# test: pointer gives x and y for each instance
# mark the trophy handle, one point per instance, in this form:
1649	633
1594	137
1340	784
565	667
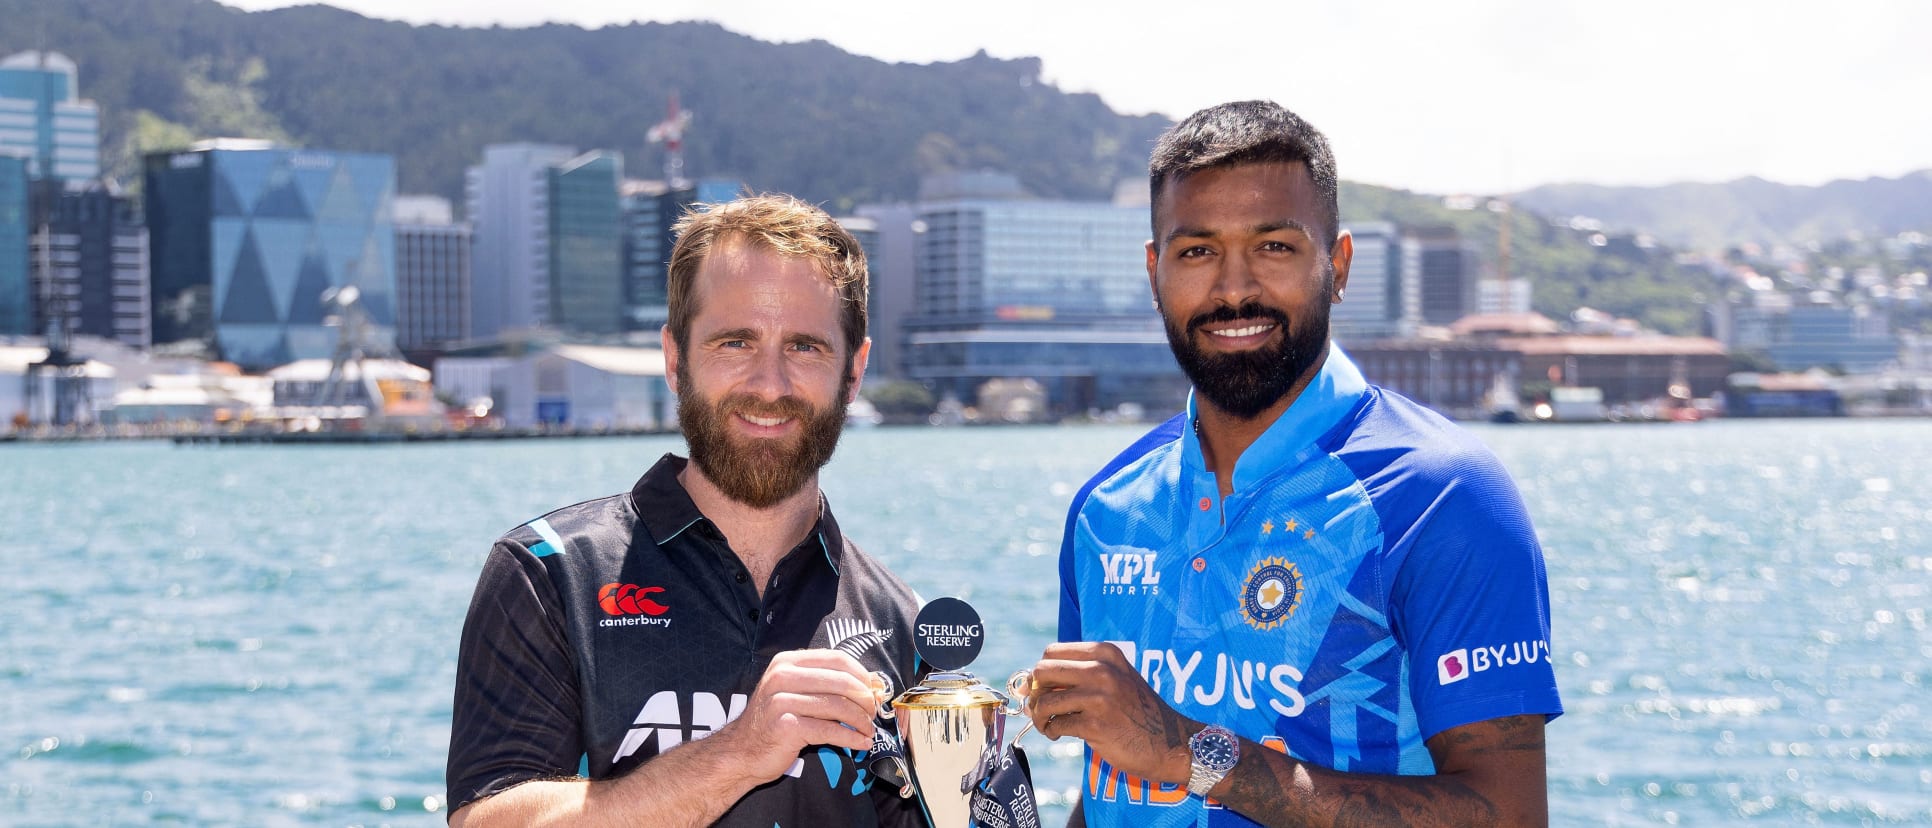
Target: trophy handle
1019	686
882	694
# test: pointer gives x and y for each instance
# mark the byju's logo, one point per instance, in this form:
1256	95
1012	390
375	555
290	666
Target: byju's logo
1129	573
629	607
1460	664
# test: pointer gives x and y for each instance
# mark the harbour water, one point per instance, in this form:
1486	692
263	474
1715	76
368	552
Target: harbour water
266	635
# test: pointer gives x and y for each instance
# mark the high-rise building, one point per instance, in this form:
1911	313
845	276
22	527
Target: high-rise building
889	256
586	228
247	237
16	288
509	212
1054	291
1376	304
1446	271
651	210
432	275
89	260
43	117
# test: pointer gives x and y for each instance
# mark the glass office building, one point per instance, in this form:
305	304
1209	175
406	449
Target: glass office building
43	117
586	244
246	238
89	262
16	290
651	210
1054	291
432	275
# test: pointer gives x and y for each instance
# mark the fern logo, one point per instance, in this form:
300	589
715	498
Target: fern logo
854	637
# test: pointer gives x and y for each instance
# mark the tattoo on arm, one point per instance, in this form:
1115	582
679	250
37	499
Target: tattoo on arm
1488	774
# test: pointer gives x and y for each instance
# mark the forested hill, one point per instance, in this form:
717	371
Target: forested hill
806	118
1748	210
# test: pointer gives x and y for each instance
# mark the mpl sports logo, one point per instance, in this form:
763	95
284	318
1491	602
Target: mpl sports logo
1129	573
1461	663
630	606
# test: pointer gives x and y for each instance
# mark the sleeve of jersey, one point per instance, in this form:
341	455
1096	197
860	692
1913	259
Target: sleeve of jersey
1069	589
1166	432
516	715
1471	601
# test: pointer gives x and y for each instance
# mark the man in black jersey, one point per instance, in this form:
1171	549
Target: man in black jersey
697	650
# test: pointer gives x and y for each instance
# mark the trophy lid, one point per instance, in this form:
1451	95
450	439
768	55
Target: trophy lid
950	689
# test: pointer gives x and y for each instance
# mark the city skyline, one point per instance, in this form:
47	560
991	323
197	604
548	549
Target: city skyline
1496	96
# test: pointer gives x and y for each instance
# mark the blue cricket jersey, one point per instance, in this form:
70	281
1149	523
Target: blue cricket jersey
1372	581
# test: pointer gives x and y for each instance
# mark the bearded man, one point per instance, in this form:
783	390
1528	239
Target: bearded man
1306	600
698	650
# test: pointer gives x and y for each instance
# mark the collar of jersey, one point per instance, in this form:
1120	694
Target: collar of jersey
666	510
1335	391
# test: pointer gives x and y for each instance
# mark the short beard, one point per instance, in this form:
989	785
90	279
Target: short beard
1247	383
760	472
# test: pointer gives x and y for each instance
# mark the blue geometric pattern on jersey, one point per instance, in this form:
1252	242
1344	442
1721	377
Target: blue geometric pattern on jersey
1279	611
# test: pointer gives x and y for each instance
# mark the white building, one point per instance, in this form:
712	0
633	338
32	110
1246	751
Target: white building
96	381
574	386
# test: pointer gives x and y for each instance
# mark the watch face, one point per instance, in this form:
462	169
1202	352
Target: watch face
1215	749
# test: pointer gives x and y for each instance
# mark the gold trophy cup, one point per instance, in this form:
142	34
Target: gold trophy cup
950	722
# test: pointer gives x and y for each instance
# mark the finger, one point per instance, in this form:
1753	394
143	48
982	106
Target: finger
1061	724
1050	674
805	679
1084	651
810	731
825	659
834	709
833	661
1058	704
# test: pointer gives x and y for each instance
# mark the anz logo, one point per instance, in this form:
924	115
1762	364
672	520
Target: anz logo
663	718
662	721
1129	573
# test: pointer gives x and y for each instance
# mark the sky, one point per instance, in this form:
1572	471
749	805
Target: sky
1478	96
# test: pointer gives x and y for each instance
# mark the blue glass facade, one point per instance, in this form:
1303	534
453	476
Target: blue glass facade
16	292
586	245
649	213
1052	291
42	115
245	241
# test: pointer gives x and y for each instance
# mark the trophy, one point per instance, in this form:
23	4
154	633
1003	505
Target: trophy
953	729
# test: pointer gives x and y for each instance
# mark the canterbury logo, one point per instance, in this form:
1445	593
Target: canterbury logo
853	637
628	599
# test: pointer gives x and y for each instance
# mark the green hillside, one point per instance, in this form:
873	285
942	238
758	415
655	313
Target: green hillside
805	118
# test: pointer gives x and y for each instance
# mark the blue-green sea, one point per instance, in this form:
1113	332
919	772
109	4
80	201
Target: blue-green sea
267	635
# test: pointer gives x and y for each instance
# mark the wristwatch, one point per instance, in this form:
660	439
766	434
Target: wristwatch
1215	751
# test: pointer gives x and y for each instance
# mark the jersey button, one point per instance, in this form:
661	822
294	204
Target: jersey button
742	577
754	616
1206	504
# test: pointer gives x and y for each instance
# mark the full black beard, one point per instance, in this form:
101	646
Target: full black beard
1248	383
761	472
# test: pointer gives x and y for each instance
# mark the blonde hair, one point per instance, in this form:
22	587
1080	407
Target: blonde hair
777	223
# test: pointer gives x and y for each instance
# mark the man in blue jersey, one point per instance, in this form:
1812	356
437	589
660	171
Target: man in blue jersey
1306	600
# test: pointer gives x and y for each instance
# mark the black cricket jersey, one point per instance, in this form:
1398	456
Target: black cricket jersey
605	633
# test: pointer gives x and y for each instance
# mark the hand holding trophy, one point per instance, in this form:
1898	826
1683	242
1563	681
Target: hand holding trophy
954	730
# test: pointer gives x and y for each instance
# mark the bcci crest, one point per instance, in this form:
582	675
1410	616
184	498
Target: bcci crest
1271	593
